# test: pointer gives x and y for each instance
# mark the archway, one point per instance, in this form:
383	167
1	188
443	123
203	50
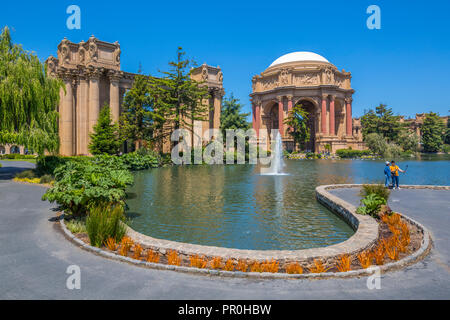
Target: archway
309	107
15	150
2	150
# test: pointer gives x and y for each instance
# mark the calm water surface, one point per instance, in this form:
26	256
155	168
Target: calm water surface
236	207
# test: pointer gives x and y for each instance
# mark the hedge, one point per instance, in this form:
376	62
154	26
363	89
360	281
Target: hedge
349	153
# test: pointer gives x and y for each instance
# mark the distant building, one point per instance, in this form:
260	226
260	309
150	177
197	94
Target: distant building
415	124
323	91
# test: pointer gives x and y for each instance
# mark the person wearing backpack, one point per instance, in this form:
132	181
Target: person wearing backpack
387	174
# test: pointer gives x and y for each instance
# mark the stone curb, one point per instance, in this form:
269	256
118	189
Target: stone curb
323	194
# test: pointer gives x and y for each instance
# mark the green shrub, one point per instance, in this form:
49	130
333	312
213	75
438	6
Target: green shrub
48	164
27	174
46	178
111	162
349	153
446	148
17	156
80	185
105	222
76	225
371	205
138	161
378	189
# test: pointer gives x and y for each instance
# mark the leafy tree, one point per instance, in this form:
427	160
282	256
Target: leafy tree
297	120
178	97
447	132
369	123
140	119
409	141
231	116
105	138
381	121
28	99
432	133
376	143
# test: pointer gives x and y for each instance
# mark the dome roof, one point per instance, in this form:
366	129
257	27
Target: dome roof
298	57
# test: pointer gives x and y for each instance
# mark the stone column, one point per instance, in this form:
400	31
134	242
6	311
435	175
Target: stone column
254	115
83	117
217	107
332	117
280	115
289	97
348	113
114	98
258	117
323	114
94	99
66	122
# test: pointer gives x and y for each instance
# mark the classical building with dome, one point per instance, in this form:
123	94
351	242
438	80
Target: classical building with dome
309	80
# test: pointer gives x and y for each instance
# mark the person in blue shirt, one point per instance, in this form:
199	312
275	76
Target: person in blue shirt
387	174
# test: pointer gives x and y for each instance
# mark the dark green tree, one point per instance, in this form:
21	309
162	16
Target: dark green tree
432	133
105	138
140	120
28	99
381	121
178	97
297	121
447	132
231	116
369	123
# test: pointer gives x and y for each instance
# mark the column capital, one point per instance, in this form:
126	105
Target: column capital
290	97
114	76
332	98
280	98
325	96
94	74
348	100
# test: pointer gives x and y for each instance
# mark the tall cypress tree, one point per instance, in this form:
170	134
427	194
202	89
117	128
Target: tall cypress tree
105	138
28	99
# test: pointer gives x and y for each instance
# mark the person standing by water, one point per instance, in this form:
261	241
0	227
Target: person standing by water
387	174
394	173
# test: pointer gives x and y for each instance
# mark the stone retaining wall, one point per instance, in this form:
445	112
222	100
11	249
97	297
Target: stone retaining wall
365	237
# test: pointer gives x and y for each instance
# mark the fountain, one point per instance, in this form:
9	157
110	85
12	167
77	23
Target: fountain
277	162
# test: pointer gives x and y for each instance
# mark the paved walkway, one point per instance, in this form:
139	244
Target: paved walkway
34	256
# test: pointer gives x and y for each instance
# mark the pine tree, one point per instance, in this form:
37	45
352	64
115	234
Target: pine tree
105	138
28	99
177	96
231	116
432	133
140	119
297	120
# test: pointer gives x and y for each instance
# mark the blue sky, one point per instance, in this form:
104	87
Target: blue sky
406	64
